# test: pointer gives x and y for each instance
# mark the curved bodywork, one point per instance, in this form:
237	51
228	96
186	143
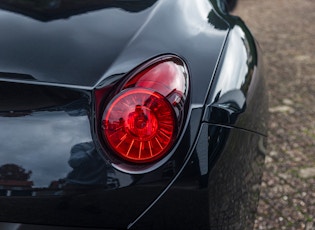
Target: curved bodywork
58	57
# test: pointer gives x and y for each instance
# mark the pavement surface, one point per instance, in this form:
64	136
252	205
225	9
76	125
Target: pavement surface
285	30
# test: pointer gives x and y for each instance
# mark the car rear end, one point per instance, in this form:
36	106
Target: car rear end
129	126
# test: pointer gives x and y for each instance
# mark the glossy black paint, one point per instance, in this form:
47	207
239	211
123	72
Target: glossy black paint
86	53
49	10
70	180
74	50
219	186
56	59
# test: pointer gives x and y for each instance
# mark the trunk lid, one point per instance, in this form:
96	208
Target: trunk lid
67	42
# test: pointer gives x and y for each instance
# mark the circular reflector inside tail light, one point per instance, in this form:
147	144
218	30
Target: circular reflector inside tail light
141	122
139	125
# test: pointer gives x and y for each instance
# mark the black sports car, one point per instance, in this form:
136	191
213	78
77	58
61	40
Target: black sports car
129	114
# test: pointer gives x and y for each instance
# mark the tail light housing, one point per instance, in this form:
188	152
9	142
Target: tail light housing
141	120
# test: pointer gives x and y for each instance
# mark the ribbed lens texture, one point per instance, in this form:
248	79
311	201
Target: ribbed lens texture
139	125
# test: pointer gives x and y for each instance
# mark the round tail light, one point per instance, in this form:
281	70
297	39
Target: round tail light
139	125
142	120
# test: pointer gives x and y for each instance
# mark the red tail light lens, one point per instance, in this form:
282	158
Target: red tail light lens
141	123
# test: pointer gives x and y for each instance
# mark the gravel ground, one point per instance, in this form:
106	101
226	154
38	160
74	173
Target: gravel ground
286	32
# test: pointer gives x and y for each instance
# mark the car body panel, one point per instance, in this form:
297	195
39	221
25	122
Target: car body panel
50	119
72	50
218	187
87	54
70	179
238	82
